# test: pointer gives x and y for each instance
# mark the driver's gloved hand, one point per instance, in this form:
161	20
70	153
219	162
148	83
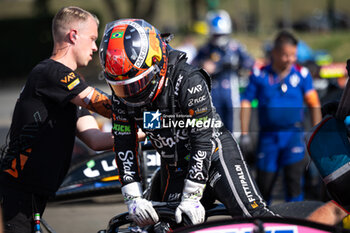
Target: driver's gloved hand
190	204
141	210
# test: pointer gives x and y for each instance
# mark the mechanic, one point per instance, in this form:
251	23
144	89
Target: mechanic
155	89
44	124
281	89
225	59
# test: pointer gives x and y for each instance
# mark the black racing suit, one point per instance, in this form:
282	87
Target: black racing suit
188	150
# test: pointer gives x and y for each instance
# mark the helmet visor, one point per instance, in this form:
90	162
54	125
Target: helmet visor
132	86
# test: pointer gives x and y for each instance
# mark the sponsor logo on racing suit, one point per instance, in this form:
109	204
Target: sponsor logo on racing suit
196	89
174	196
196	171
160	141
245	186
177	85
121	129
127	158
191	102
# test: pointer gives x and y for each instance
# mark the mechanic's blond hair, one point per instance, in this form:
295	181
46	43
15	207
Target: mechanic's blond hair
66	18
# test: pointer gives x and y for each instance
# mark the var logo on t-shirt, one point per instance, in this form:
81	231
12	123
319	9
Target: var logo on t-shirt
68	77
151	120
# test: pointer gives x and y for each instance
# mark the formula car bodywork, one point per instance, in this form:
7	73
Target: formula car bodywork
98	174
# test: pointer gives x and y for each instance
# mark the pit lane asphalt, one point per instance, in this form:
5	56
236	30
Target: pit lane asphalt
69	217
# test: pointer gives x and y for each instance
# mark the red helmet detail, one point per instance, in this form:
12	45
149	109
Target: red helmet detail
134	59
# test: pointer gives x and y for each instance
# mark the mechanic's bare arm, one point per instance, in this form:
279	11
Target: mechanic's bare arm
94	100
329	214
89	132
313	102
245	116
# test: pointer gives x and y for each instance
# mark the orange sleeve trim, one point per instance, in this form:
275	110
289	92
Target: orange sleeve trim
23	160
13	171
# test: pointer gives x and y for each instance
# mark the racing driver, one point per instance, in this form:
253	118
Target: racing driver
156	90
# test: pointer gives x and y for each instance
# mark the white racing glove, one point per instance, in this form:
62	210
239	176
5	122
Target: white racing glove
141	210
190	203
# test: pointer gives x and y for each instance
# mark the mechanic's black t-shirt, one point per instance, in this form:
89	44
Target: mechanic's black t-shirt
43	129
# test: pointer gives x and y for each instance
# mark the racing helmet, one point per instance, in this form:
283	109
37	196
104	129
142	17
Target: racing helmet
134	60
219	22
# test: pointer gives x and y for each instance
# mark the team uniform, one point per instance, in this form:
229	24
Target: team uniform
229	59
41	136
281	114
206	155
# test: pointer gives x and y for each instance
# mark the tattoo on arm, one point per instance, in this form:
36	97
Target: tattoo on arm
99	102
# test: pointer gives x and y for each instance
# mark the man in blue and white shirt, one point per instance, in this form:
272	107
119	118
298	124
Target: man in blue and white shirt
281	89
